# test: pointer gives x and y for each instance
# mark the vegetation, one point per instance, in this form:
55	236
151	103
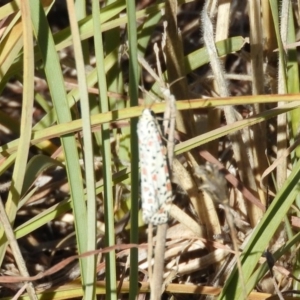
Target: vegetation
71	93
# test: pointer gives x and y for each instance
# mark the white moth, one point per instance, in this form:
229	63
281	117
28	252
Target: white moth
156	189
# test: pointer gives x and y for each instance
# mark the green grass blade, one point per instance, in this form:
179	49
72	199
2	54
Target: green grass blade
7	163
25	130
262	235
62	207
133	93
96	120
293	85
89	267
57	90
219	132
264	268
37	165
200	57
111	283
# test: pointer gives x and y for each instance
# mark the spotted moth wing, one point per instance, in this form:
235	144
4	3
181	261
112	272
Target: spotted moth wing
156	190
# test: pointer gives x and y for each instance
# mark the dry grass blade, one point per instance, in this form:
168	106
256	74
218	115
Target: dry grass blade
16	251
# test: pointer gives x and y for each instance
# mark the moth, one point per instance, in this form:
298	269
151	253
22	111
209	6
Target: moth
156	189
